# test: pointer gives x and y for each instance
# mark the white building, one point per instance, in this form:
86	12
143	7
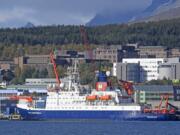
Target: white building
149	67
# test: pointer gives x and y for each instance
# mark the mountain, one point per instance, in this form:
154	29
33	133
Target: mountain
168	10
113	18
165	9
166	15
155	7
29	25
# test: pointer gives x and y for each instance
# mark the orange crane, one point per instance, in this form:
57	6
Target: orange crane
167	109
85	42
166	102
128	87
55	68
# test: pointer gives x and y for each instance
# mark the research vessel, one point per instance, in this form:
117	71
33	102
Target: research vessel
70	100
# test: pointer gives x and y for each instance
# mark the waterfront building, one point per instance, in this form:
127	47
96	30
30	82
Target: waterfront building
149	67
127	71
151	94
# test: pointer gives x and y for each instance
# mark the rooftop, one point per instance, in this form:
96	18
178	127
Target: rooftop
154	87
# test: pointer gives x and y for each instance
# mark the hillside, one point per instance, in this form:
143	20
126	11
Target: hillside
41	40
164	33
168	11
166	15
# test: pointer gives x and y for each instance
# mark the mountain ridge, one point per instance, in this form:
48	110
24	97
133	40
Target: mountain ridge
157	7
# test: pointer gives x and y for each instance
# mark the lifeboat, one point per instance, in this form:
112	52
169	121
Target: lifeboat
105	97
27	98
91	97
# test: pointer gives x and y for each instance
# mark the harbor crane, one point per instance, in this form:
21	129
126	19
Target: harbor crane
85	42
128	87
55	68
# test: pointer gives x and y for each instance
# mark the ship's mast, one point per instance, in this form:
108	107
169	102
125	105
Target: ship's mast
73	73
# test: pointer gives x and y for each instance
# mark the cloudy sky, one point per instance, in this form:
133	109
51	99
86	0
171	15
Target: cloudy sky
16	13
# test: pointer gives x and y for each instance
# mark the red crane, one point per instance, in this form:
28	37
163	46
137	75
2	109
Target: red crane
128	87
166	102
167	109
85	42
55	68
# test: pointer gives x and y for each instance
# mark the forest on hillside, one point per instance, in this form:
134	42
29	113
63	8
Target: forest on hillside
42	40
164	33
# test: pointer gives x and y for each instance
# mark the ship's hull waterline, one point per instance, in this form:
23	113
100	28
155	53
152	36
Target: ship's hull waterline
93	115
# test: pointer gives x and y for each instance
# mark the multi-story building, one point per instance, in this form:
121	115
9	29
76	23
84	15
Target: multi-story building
174	52
64	57
156	51
39	61
127	71
153	52
107	53
115	53
149	67
153	68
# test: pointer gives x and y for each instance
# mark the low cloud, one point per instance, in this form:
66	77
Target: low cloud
45	12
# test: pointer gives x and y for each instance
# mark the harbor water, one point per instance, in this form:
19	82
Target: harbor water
88	128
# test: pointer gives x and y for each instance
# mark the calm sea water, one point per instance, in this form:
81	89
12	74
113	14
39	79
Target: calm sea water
88	128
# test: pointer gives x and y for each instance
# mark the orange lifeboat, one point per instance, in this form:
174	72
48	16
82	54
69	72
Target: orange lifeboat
91	97
27	98
105	97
